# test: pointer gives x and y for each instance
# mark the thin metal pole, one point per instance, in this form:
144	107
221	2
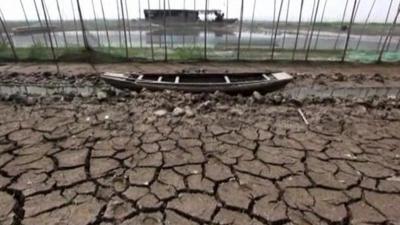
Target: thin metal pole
119	25
165	34
276	29
140	28
151	32
365	24
320	25
10	41
75	23
205	29
252	23
389	34
386	21
353	15
172	30
40	22
125	35
227	16
3	41
105	24
273	23
48	31
128	23
27	22
96	24
85	40
62	24
240	30
341	24
298	30
51	24
312	29
309	28
286	24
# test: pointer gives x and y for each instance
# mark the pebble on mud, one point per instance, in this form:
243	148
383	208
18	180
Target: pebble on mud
160	112
178	112
257	96
101	95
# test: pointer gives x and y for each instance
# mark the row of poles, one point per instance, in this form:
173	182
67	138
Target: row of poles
50	39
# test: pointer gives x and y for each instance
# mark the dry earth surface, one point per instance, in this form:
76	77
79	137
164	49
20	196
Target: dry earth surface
171	158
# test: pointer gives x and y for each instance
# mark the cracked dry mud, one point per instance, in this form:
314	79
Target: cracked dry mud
119	163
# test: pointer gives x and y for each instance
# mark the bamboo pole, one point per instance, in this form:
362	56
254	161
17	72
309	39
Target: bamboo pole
10	41
386	21
252	23
273	23
62	24
51	24
365	24
151	33
309	28
341	24
298	30
240	30
319	29
96	24
140	28
205	29
123	24
119	24
27	22
75	23
48	31
85	40
276	29
227	16
286	24
312	29
40	22
389	35
165	34
128	23
105	24
353	15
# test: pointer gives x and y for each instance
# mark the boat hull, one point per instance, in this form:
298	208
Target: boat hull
261	86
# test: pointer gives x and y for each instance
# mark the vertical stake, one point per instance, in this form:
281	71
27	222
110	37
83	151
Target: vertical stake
240	30
389	35
85	40
27	21
123	24
151	33
10	41
165	34
96	24
276	29
298	30
312	29
341	24
252	23
205	29
48	30
105	24
353	15
40	22
75	23
128	24
62	24
286	25
320	25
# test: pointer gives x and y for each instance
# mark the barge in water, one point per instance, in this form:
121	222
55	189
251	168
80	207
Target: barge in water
179	16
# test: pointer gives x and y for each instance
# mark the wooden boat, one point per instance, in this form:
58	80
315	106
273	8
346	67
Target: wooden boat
203	82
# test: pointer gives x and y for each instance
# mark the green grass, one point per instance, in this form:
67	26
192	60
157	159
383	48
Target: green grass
39	53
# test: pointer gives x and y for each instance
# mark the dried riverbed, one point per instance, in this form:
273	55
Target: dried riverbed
171	158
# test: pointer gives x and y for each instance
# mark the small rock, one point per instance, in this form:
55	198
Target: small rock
178	112
160	113
236	111
278	99
101	95
257	96
189	112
